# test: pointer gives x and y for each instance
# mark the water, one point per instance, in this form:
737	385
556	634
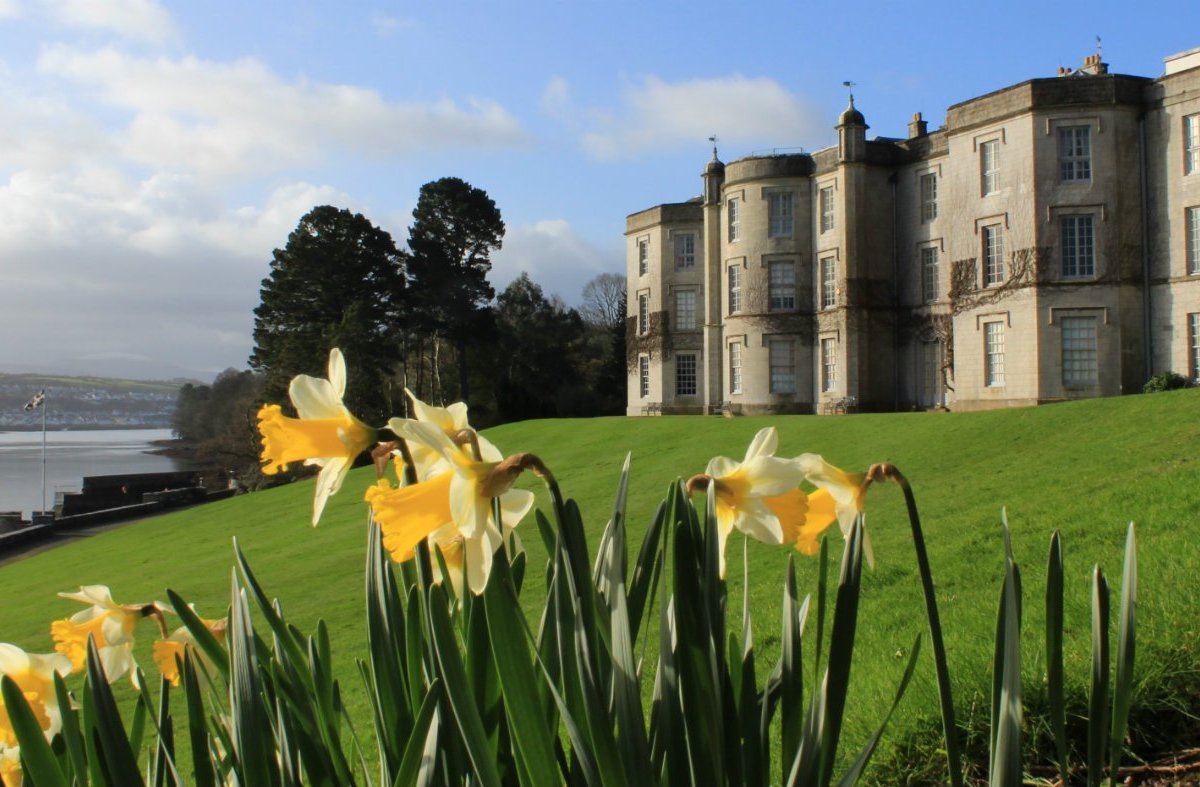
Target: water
69	457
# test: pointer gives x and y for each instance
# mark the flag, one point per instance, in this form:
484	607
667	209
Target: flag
36	401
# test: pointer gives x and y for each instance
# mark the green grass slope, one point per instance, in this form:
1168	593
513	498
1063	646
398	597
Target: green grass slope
1085	468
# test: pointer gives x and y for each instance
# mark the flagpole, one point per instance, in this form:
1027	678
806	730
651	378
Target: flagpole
45	406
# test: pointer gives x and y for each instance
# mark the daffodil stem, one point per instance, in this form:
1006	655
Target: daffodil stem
953	750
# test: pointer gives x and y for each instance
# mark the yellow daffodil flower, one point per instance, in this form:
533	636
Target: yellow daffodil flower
846	493
456	502
10	766
111	624
756	494
34	675
325	434
453	422
169	652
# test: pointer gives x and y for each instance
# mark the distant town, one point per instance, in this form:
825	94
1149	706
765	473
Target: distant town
86	403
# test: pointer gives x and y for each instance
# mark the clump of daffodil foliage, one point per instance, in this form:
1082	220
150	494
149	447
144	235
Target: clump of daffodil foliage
462	687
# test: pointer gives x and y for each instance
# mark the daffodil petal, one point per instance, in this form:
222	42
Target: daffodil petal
315	399
479	552
763	444
337	373
769	476
514	505
720	466
756	520
333	472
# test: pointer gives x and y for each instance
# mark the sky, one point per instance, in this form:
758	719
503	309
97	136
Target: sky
153	153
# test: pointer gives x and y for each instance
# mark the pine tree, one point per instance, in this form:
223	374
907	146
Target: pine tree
339	282
455	228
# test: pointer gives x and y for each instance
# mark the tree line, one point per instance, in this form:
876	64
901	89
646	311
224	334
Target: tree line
425	318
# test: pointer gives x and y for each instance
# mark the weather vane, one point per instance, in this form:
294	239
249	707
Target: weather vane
851	86
713	140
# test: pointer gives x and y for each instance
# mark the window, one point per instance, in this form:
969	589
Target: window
929	273
643	256
1074	153
1192	225
993	354
735	289
685	251
735	221
1191	144
783	366
1194	345
644	375
781	286
779	208
1079	350
928	197
989	167
828	282
1078	257
643	313
685	310
685	374
993	256
735	367
828	365
826	200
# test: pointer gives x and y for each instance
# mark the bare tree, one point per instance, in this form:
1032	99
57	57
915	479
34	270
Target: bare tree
604	300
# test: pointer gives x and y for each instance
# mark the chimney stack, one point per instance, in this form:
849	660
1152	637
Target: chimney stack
918	127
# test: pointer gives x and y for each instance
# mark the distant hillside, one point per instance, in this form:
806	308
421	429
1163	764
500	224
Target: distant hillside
87	402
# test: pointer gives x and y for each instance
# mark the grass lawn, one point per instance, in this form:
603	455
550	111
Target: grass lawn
1085	468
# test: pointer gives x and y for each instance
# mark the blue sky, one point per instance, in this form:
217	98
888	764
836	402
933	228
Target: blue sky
152	154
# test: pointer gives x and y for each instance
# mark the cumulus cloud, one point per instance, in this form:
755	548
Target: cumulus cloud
555	257
156	269
141	20
744	111
223	119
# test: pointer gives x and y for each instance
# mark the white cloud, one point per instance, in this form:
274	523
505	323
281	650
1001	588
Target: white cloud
9	9
230	119
555	257
141	20
743	111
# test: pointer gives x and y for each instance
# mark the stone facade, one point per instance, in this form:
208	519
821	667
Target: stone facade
1043	245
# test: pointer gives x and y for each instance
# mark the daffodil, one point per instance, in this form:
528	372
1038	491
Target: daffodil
325	434
760	496
846	491
109	623
34	675
455	502
453	422
169	652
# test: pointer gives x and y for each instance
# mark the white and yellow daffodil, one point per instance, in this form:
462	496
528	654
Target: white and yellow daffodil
760	496
111	624
325	434
169	652
455	502
34	675
453	422
846	492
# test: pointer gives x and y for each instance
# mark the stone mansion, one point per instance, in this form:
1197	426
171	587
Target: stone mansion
1044	244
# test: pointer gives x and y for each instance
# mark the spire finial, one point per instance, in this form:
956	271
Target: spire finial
850	86
713	140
